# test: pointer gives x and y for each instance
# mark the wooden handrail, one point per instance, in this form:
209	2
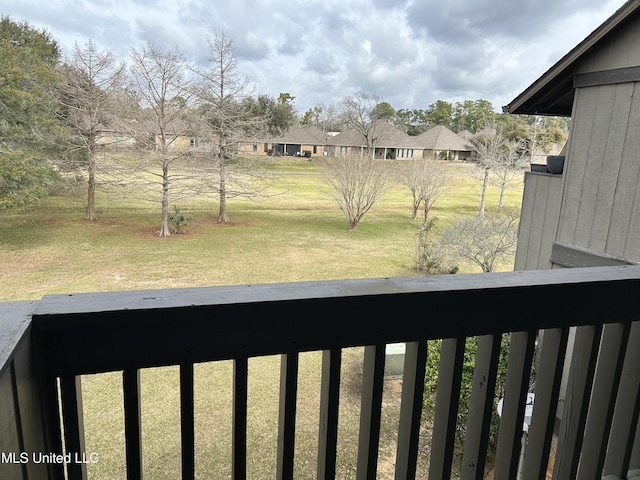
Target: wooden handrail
72	335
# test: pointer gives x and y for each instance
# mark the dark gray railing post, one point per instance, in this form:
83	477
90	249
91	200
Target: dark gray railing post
548	379
481	406
71	393
516	387
583	364
187	428
329	400
132	423
613	347
287	415
446	408
239	428
410	410
370	411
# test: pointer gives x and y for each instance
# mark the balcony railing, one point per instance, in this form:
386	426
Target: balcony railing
46	346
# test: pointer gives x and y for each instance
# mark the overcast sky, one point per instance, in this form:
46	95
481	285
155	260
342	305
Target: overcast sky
409	52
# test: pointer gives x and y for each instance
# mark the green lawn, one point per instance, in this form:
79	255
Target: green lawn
297	234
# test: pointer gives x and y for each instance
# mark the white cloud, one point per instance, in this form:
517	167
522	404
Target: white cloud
410	52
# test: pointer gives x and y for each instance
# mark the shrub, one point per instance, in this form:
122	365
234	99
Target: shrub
178	220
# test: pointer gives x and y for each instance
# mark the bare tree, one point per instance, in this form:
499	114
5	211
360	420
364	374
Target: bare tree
162	89
356	184
89	80
484	241
498	160
489	148
427	180
506	168
358	112
229	120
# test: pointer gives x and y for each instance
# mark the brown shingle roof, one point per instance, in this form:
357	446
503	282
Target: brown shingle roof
303	136
386	135
441	138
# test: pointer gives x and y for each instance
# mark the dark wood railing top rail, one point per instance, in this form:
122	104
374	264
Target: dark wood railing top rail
89	333
15	322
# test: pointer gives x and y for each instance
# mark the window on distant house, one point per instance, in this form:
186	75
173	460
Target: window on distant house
409	152
400	153
315	149
255	148
266	147
343	151
193	143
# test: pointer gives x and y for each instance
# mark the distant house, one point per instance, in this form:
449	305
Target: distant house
183	143
388	143
440	142
590	214
107	138
294	142
297	140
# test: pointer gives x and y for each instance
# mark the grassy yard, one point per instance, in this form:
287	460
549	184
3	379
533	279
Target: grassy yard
295	235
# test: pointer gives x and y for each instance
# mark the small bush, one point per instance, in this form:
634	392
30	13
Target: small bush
178	220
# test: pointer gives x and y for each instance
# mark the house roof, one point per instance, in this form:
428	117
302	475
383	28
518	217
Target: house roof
466	134
303	136
552	93
441	138
386	135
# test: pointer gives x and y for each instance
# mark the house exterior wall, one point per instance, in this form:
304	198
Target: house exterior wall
601	202
538	220
598	222
620	50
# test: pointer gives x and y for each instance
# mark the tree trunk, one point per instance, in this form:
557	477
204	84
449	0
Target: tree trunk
353	225
416	206
164	227
91	190
502	189
425	219
222	213
485	184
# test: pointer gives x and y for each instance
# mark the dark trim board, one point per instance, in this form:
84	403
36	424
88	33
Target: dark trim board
607	77
571	256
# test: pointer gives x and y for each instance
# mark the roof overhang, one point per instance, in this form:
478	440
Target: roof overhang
552	93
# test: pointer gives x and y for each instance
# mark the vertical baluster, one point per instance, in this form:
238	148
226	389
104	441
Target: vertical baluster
239	431
583	363
329	402
481	406
625	417
410	410
52	423
370	411
516	386
603	399
71	392
446	414
187	429
548	379
287	415
132	423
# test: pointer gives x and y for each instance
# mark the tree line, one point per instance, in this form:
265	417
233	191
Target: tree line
184	122
57	113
